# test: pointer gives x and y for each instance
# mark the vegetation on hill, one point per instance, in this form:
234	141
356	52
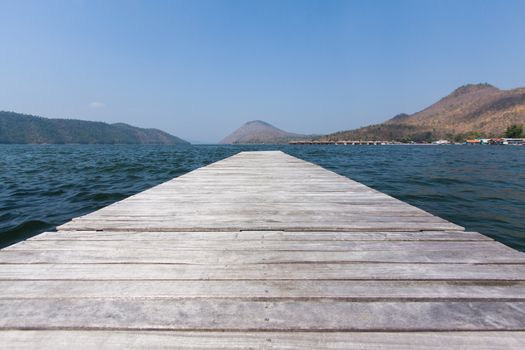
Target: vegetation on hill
22	128
514	131
474	110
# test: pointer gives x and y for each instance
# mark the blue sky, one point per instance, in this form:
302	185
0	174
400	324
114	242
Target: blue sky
199	69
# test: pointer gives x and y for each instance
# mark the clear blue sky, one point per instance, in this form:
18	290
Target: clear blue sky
199	69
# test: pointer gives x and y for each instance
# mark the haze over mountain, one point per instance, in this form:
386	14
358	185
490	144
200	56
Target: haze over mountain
469	111
23	128
260	132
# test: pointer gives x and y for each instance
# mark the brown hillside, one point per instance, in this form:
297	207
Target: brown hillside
475	109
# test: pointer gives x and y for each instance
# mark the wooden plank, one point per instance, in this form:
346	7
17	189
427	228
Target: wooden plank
81	340
270	289
257	252
300	271
243	217
226	314
283	197
270	245
229	256
261	235
253	225
341	211
265	235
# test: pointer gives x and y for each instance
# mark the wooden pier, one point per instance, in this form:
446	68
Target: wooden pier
342	142
261	251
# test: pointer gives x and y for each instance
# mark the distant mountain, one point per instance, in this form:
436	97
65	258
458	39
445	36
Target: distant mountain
23	128
469	111
259	132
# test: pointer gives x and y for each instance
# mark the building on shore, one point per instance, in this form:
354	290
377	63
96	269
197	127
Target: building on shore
515	142
441	142
497	141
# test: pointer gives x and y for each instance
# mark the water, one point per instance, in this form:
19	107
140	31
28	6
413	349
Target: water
480	188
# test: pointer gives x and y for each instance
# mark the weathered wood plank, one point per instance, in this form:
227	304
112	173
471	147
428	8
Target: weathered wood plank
257	252
282	197
457	236
270	245
226	314
342	211
254	225
360	271
82	340
243	218
269	289
230	256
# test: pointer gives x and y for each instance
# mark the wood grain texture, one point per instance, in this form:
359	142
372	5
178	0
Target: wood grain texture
243	315
237	256
268	289
167	237
83	340
261	251
285	271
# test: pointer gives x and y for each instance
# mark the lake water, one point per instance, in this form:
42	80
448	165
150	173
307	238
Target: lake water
479	187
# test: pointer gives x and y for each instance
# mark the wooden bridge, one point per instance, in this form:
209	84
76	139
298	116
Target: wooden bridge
261	251
342	142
